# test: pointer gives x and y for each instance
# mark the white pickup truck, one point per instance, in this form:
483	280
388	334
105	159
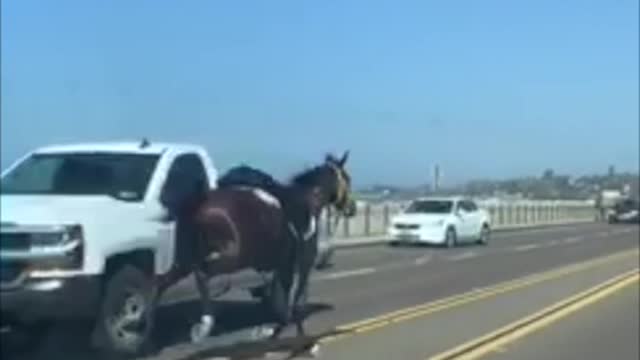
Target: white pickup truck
84	232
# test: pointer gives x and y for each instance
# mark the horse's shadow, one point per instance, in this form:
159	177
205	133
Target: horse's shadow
246	350
174	322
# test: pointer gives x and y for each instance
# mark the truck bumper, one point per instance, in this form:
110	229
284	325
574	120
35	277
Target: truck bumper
50	299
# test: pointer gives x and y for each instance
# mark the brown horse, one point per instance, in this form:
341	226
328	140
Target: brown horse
269	229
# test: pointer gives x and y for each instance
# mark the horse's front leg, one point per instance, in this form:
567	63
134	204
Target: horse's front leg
300	301
278	300
202	329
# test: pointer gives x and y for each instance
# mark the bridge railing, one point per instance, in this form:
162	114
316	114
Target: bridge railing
373	219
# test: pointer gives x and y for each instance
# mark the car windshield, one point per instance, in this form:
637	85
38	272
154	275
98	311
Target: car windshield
430	207
124	176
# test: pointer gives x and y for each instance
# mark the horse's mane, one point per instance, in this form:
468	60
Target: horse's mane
308	176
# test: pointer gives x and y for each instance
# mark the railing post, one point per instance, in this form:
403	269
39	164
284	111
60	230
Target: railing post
367	220
346	227
385	216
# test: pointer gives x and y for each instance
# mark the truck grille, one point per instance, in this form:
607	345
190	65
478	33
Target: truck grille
14	241
10	271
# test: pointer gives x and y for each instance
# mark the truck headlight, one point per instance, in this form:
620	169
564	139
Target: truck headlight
58	250
69	236
40	240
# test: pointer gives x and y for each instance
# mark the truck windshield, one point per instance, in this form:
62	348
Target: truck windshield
124	176
430	207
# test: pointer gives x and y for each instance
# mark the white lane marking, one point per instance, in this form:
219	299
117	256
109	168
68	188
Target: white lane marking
423	260
347	273
463	256
620	231
602	234
527	247
553	243
275	355
510	233
573	239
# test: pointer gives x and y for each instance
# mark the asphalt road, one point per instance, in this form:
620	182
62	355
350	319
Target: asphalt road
608	330
371	281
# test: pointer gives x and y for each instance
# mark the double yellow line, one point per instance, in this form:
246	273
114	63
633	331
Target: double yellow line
479	347
413	312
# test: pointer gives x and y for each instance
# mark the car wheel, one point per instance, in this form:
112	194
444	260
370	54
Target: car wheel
451	238
485	234
125	322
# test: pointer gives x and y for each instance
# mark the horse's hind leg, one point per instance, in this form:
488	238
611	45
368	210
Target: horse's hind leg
299	302
202	329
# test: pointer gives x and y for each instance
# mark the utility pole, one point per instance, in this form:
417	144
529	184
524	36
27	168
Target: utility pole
436	177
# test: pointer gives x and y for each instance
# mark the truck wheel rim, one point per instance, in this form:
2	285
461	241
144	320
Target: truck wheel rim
129	323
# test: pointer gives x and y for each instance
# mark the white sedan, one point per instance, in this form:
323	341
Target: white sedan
444	221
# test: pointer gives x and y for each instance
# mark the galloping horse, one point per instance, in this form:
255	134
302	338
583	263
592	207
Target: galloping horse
269	229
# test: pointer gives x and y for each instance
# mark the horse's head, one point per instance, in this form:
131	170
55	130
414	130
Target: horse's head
330	185
339	185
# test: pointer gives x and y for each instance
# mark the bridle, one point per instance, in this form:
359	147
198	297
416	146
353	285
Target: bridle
342	194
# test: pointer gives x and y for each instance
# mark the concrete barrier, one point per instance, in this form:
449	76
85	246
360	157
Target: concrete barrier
372	220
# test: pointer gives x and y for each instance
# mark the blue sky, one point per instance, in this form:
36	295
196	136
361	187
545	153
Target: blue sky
485	88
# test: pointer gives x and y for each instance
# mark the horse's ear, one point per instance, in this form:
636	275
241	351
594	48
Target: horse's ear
329	158
344	159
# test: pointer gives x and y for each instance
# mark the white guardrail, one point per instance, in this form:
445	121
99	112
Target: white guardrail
372	220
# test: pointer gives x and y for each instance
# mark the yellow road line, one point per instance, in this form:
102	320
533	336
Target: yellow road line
496	340
381	321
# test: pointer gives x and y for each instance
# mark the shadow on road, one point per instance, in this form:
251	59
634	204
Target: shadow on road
246	350
171	340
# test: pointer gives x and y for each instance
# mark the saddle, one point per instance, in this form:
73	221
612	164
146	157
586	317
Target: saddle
244	176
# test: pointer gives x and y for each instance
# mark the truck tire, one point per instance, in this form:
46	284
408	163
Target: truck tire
126	318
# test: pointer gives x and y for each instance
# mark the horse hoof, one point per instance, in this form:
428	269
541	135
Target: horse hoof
262	332
202	329
313	350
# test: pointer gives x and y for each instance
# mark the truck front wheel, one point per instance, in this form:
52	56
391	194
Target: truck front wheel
126	318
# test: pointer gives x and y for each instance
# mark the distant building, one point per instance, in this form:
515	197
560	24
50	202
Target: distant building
436	177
